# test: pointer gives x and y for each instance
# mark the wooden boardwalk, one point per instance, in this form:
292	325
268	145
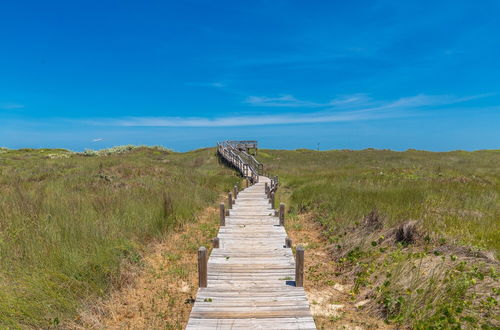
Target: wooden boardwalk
251	275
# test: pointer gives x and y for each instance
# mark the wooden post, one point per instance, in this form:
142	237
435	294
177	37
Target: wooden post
229	201
266	189
272	200
202	267
299	266
222	214
235	191
282	214
216	242
288	242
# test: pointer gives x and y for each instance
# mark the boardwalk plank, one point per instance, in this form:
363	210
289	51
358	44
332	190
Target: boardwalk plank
250	275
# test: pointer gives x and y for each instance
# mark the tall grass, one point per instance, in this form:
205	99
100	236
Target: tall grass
445	276
455	195
67	222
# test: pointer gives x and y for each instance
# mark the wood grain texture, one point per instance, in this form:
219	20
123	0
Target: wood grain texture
202	267
222	214
251	275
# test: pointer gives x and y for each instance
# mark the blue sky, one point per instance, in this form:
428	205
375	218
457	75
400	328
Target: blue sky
291	74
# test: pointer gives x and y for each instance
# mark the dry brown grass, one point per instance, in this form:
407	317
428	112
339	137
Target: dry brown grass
161	293
332	304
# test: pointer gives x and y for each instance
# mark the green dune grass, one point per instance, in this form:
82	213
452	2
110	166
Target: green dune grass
447	276
69	221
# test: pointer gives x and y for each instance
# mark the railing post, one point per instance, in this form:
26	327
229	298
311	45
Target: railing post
299	266
266	189
215	241
202	267
272	200
222	213
230	200
288	242
282	214
235	191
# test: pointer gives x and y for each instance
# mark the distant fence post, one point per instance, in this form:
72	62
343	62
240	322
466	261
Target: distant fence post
266	189
215	241
299	267
288	242
272	200
282	214
222	213
235	192
202	267
230	201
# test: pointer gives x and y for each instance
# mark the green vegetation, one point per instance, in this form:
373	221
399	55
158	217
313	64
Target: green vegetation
69	222
416	231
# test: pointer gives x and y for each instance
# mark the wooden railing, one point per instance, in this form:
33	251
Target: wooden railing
245	163
244	145
231	155
274	183
249	159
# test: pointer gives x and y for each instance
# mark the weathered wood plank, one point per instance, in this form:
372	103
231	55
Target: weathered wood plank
250	276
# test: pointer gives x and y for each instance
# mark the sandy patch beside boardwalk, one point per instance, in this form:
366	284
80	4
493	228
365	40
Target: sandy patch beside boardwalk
162	292
332	305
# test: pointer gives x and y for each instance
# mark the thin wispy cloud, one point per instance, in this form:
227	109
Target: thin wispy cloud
423	100
11	106
292	101
214	84
360	100
348	108
351	100
280	101
97	140
233	121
